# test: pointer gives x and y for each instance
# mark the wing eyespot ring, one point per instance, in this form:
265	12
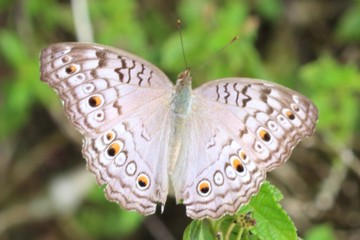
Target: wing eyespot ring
65	59
143	181
114	148
237	164
243	156
99	116
272	125
264	135
204	188
109	136
71	69
131	168
218	178
95	101
289	114
230	172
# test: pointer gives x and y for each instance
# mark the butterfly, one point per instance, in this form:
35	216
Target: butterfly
142	134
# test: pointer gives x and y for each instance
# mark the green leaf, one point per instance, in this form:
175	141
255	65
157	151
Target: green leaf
235	227
198	230
272	222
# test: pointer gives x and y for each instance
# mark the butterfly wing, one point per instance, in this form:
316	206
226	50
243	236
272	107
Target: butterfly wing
100	85
120	103
131	160
274	118
238	130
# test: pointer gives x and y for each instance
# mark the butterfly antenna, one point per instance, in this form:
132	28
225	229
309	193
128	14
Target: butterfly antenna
178	25
219	51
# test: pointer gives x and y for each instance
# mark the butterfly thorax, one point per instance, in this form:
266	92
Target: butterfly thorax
181	106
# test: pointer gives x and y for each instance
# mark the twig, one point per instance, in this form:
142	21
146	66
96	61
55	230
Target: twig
344	160
331	186
83	29
350	159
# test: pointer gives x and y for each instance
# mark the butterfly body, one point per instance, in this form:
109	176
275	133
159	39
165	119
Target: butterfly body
214	144
181	107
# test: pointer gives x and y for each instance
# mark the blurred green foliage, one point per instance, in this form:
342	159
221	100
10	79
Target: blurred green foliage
103	219
320	232
335	88
207	26
348	28
18	88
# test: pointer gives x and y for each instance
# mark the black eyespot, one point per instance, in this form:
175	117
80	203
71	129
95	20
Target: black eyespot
111	152
290	115
143	181
94	101
204	188
264	135
70	69
237	164
115	148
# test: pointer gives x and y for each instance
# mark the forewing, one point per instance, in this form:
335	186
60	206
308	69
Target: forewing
99	85
268	118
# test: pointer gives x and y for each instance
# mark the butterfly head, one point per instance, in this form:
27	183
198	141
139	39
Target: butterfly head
184	78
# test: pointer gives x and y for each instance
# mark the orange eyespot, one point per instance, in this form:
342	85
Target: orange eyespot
114	149
290	115
242	155
204	188
70	69
109	136
143	182
237	164
95	101
264	135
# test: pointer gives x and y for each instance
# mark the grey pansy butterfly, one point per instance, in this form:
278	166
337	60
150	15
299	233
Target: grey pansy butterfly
216	143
